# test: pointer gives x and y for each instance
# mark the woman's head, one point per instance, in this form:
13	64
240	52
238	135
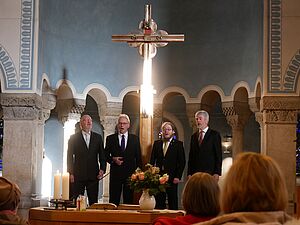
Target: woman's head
201	195
254	183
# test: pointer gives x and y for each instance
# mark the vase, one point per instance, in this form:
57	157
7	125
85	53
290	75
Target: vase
146	201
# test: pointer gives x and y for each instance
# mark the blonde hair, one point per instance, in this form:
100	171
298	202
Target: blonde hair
254	183
201	195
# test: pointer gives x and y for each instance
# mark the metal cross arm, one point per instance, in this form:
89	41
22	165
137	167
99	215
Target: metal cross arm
152	38
148	35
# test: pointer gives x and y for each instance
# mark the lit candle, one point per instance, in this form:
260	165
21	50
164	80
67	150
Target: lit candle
57	178
65	186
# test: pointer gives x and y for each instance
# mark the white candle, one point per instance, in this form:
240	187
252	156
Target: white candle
57	178
65	186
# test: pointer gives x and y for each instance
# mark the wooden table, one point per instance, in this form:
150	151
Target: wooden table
41	216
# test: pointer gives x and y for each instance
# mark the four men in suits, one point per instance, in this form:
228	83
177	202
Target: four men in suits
123	152
205	148
85	153
168	154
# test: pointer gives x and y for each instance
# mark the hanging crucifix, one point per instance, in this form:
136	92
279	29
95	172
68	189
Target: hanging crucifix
147	41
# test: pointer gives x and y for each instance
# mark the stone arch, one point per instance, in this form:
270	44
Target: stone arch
100	98
169	90
209	100
177	123
214	88
131	107
9	78
175	115
291	76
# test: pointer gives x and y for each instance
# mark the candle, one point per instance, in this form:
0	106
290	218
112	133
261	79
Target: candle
57	178
65	186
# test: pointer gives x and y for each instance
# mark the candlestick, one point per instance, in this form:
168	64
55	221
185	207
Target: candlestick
57	179
65	186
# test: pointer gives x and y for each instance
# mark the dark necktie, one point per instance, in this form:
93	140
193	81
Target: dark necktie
123	142
201	137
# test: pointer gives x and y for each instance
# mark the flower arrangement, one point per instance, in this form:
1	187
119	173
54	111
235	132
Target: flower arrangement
149	179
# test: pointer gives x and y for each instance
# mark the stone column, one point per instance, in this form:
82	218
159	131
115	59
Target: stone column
157	119
237	115
191	109
109	119
24	118
254	104
279	116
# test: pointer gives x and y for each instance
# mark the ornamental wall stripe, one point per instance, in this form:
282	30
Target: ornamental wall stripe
274	45
292	73
8	68
26	44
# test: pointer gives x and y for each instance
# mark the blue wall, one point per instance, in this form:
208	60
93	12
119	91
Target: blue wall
223	43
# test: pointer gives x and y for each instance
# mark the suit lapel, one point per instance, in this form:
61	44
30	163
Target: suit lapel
206	136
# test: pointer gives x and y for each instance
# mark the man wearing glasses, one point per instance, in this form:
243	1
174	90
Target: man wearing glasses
124	155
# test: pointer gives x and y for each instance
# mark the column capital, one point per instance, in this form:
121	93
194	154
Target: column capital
191	109
280	109
21	106
237	113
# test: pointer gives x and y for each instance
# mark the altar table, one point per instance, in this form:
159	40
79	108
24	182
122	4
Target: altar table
41	216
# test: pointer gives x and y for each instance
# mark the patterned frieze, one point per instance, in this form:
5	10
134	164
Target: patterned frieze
21	106
280	109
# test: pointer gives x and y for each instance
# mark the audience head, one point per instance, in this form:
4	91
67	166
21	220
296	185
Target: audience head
254	183
202	118
9	195
201	195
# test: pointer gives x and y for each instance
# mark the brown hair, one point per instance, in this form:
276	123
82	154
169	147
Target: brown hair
201	195
9	195
254	183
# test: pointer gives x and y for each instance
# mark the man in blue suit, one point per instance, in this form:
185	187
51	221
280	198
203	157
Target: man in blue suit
85	153
124	155
168	154
205	148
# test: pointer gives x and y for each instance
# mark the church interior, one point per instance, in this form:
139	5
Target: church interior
239	61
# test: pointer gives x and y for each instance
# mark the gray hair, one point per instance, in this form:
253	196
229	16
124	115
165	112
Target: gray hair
124	116
203	113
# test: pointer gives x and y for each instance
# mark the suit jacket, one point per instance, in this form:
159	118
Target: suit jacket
83	162
173	162
131	156
208	156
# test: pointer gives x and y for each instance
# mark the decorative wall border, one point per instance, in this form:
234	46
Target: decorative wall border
292	73
26	44
274	46
8	68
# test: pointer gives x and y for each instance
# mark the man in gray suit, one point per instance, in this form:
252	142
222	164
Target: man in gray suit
85	153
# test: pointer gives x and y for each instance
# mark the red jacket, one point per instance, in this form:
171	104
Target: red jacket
180	220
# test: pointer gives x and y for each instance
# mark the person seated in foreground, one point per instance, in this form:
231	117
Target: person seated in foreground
200	200
9	202
254	192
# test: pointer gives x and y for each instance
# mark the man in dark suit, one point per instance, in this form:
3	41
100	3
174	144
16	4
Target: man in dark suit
85	153
205	148
168	154
123	152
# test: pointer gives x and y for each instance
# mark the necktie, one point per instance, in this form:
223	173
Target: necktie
165	147
87	141
201	137
123	142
